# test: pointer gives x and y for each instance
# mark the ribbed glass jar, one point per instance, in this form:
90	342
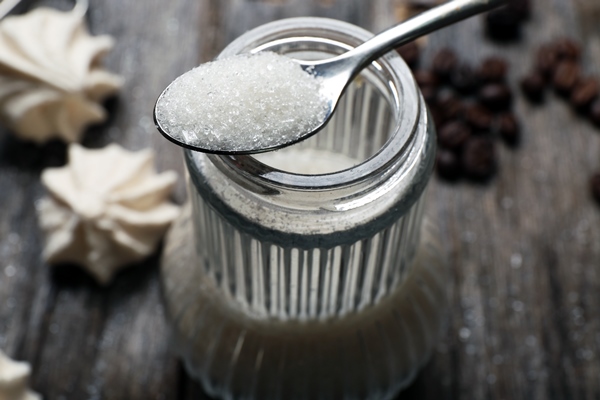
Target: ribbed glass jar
311	274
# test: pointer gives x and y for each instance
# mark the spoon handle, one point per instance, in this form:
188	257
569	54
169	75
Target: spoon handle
422	24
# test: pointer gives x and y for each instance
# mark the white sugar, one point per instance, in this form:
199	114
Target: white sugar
307	161
242	102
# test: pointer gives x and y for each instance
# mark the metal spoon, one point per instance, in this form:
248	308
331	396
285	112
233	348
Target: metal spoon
337	72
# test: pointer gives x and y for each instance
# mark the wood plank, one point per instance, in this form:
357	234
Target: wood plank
526	243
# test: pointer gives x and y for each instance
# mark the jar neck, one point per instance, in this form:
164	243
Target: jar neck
389	77
404	174
343	186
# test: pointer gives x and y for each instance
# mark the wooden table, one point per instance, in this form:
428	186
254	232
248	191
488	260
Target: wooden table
524	251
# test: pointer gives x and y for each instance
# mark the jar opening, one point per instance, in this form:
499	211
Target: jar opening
370	131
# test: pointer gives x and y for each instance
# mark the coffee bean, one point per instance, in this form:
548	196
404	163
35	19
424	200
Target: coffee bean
478	158
533	86
493	69
429	95
547	60
464	79
508	128
453	135
595	186
567	49
428	83
435	114
520	8
565	77
450	106
444	63
495	96
426	78
584	93
411	53
447	165
503	24
479	118
594	112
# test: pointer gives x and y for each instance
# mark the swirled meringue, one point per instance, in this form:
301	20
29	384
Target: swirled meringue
50	79
14	378
107	208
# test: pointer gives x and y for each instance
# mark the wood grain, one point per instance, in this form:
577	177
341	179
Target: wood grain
524	250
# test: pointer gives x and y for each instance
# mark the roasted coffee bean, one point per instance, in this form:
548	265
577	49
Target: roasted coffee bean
429	95
595	186
508	128
534	86
444	63
520	8
495	96
584	93
503	24
566	76
435	114
594	112
478	159
447	165
464	79
427	83
567	49
479	118
426	78
453	135
411	53
547	60
450	106
493	69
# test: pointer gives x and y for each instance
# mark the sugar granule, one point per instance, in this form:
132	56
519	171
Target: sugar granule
245	101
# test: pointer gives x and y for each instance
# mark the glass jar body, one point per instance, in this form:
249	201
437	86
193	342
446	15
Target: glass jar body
292	275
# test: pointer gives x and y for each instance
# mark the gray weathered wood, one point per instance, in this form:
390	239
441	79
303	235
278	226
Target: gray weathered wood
524	250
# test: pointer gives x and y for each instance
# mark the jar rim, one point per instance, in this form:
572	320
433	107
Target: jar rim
403	90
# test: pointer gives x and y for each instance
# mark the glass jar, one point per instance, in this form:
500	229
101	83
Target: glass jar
308	273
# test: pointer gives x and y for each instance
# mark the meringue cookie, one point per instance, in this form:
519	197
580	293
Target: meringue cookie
50	80
14	378
107	208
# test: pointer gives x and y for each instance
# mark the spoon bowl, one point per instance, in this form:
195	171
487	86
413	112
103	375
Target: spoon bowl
334	74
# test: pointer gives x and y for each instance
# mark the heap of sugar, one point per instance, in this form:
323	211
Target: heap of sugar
242	103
